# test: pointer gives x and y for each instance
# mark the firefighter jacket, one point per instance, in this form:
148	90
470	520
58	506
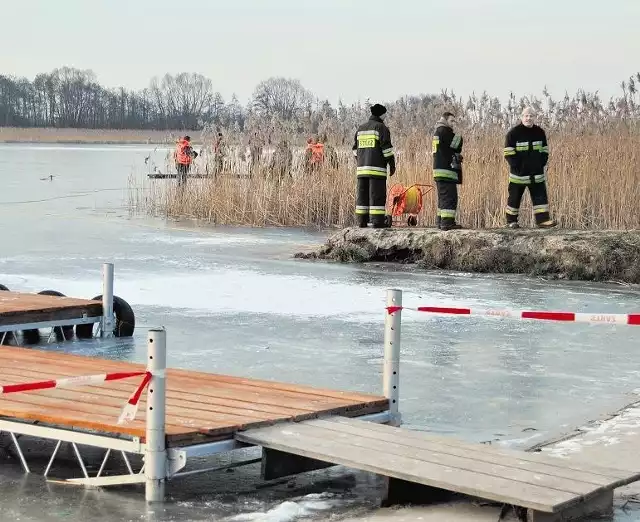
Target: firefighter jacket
446	149
527	152
373	149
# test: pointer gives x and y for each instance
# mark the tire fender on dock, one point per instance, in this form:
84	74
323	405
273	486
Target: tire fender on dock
125	320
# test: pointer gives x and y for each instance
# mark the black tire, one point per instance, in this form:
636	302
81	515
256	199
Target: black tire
59	330
31	336
125	320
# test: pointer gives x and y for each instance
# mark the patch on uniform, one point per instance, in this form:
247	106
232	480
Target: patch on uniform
366	142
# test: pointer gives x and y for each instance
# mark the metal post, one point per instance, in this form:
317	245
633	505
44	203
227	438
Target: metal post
108	320
391	374
155	459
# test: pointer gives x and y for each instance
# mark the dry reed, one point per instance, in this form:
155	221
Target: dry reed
593	183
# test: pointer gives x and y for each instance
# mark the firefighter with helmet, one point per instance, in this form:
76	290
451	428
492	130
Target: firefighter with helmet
374	152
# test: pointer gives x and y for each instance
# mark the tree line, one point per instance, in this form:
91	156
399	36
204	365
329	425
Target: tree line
72	98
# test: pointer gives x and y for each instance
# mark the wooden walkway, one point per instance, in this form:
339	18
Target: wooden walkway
200	407
18	308
542	484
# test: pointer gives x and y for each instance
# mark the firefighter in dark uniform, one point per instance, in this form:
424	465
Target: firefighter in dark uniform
374	151
527	152
446	148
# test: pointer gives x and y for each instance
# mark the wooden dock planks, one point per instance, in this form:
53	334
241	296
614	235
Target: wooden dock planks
528	480
200	406
22	308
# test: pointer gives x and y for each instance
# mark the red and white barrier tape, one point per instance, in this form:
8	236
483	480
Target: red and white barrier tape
576	317
128	412
131	408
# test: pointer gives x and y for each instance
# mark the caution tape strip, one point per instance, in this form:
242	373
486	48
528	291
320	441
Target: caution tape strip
128	412
577	317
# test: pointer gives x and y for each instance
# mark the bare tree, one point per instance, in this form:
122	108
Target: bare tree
281	97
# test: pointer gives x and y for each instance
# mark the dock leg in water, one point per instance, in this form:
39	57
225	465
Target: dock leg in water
107	326
155	459
391	373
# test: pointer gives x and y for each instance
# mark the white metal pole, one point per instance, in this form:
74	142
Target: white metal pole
155	459
108	320
391	374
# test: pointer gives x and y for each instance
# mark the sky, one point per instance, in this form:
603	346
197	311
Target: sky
339	49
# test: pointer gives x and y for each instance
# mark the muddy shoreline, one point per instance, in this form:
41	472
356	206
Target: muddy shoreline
584	255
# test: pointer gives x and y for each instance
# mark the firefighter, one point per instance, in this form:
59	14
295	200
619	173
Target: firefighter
446	148
184	156
374	152
527	153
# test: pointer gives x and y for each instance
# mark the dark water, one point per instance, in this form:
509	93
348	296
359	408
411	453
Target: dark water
234	301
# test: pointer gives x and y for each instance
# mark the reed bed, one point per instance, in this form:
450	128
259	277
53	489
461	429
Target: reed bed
593	177
593	183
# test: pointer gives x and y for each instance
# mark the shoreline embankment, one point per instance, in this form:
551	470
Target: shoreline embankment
585	255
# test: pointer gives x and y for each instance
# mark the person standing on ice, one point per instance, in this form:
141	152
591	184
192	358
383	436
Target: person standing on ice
183	157
374	152
446	148
527	153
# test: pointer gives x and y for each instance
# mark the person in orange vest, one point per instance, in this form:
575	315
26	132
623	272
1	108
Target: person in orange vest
314	154
184	156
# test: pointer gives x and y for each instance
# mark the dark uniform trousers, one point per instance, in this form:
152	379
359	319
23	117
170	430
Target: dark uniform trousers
539	200
371	194
447	202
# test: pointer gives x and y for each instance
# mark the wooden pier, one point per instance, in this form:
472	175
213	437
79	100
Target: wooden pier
200	407
299	428
27	313
548	488
20	310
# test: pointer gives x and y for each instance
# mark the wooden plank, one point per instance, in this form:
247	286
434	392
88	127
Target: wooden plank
81	421
626	476
206	391
597	507
247	419
452	461
19	308
295	389
44	316
72	401
10	301
290	438
395	437
186	400
312	402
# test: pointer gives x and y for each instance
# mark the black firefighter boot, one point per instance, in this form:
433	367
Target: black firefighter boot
449	224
